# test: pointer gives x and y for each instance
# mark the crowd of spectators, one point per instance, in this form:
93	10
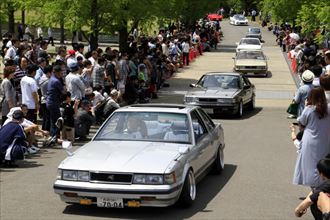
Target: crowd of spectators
75	88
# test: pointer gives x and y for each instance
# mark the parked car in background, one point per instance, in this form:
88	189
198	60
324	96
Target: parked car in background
143	155
219	92
254	32
251	61
238	20
249	44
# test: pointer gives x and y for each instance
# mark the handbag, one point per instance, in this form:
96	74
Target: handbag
293	109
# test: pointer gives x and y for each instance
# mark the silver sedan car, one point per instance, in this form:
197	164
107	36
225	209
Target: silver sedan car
143	155
222	92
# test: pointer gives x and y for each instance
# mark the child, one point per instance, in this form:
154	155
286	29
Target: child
69	112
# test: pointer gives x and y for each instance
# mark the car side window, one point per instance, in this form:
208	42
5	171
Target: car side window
198	126
207	120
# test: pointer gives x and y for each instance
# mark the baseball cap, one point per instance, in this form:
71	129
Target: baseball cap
71	52
73	66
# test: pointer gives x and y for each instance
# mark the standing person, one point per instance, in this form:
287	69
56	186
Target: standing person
50	36
8	92
185	51
307	78
98	73
11	52
39	33
55	90
30	93
20	72
327	61
43	89
28	32
69	111
315	143
80	51
325	84
253	13
74	83
20	30
123	73
40	71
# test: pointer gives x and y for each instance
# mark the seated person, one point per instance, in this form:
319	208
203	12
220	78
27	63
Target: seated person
323	166
178	132
8	133
136	128
233	84
84	120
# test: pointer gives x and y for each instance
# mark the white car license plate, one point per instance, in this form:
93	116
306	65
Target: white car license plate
208	110
110	203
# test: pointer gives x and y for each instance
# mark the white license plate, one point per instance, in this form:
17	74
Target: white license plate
208	110
110	203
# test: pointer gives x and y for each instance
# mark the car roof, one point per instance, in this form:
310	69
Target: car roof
158	107
223	73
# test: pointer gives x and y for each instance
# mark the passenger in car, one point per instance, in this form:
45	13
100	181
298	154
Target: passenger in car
136	128
178	132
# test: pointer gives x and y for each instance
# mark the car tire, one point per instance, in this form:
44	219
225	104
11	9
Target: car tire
188	192
219	165
252	103
239	112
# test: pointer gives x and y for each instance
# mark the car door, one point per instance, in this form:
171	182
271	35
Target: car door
247	90
203	142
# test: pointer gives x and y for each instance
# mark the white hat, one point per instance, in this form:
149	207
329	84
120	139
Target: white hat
307	76
114	92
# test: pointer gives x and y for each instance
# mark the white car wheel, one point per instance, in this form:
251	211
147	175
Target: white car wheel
188	193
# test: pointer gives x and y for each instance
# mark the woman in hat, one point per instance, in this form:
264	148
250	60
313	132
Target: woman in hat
307	78
315	143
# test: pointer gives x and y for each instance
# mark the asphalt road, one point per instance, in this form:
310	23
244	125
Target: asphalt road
259	157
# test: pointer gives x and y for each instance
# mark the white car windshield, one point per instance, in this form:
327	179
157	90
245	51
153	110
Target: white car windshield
254	30
146	126
250	41
219	81
257	55
241	18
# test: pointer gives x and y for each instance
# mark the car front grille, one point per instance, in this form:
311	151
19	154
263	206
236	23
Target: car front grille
250	67
111	178
207	100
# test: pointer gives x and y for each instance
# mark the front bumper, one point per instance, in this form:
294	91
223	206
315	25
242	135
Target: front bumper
146	195
251	70
217	108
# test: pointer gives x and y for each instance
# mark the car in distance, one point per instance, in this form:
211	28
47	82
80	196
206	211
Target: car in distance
222	92
251	61
249	44
238	20
143	155
254	32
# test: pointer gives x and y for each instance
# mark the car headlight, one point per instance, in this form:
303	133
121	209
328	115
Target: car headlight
226	100
152	179
190	99
75	175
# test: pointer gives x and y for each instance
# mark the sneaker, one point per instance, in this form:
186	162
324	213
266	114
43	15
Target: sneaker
291	116
33	147
31	151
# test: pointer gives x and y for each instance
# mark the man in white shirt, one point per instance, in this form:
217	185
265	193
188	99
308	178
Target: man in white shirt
29	93
71	58
74	83
185	51
80	51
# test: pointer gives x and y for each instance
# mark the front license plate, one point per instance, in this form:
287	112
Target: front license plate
209	110
110	203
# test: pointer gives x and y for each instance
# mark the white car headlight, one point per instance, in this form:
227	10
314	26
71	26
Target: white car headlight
152	179
83	176
190	99
75	175
70	175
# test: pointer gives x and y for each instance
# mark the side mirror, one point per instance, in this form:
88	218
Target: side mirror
67	146
233	58
192	85
246	87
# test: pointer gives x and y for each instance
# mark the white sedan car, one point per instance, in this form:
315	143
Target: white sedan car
249	44
143	155
238	20
251	61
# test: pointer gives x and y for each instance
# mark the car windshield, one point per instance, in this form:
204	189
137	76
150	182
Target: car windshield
219	81
241	17
254	30
146	126
257	55
252	41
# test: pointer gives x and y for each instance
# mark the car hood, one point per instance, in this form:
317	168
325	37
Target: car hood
250	62
123	156
213	92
